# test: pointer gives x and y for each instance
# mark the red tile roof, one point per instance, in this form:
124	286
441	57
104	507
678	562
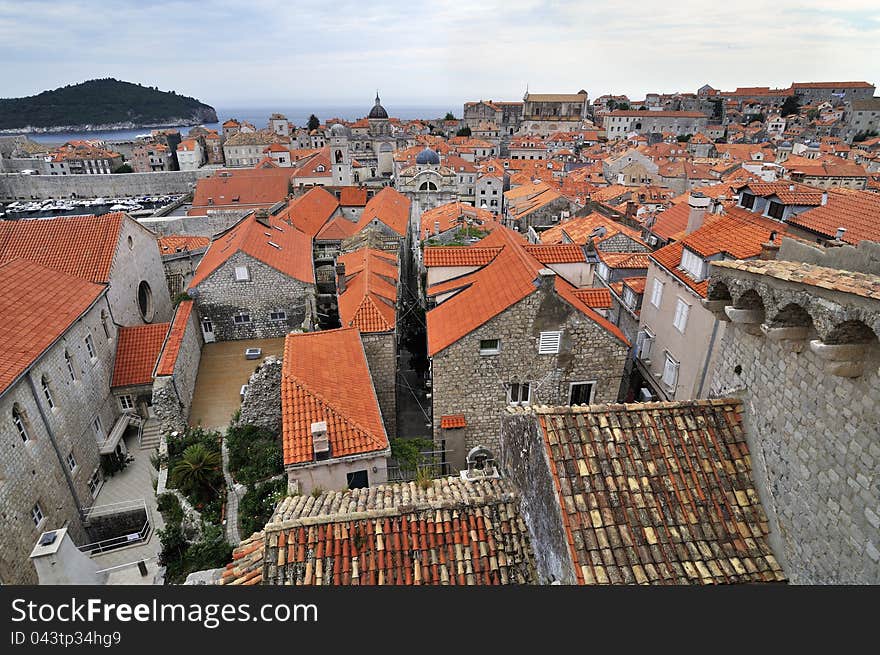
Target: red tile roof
487	292
311	211
578	230
83	246
390	207
174	339
624	259
337	228
455	214
370	298
658	493
560	253
857	211
353	196
788	192
253	187
137	351
459	256
637	284
37	306
453	421
293	257
597	298
181	243
325	377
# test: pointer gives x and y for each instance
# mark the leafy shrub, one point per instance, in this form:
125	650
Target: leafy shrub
170	507
254	453
408	454
258	504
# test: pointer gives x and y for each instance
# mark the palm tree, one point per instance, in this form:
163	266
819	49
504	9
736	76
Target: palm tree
197	470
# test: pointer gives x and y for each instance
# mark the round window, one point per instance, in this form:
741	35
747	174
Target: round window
145	301
130	243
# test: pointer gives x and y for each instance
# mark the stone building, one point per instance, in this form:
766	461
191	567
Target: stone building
810	93
546	113
620	122
367	291
333	433
174	376
246	148
862	118
801	351
505	115
181	256
536	205
148	157
513	332
256	281
112	249
191	155
240	190
56	407
428	183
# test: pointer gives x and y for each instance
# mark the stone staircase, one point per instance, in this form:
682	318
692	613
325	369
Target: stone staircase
150	435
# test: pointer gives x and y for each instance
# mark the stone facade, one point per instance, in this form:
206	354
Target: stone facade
381	351
137	260
37	471
23	187
173	394
465	382
812	432
262	402
220	297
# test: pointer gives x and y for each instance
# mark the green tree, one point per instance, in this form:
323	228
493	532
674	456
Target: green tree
683	138
465	131
611	105
198	470
791	105
449	116
813	114
124	168
623	106
314	123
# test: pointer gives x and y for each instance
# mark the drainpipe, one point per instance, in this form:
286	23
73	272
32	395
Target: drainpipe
708	357
54	443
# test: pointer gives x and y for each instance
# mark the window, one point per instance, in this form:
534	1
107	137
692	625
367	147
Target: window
357	479
693	264
602	270
105	324
44	383
71	462
241	318
37	514
95	483
278	315
20	423
98	429
90	346
490	346
657	293
519	393
548	344
126	402
644	344
775	210
69	362
145	300
581	393
681	315
670	373
629	297
242	274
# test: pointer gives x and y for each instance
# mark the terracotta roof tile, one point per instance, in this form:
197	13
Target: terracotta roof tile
325	377
137	351
459	256
180	243
37	305
370	298
292	256
453	421
454	214
578	230
624	259
351	196
253	187
859	284
174	339
390	207
596	297
857	211
658	493
560	253
311	211
83	246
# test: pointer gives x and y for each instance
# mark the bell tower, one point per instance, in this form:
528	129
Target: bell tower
339	155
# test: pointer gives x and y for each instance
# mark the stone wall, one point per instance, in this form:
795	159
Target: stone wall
465	382
220	297
381	351
813	434
137	259
33	471
173	394
194	226
13	186
262	402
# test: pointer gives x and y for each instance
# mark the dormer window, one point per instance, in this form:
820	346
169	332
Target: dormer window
693	264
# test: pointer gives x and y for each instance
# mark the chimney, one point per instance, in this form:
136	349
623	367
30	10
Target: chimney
262	217
770	248
791	187
824	197
58	561
840	232
320	442
546	280
340	277
699	205
436	227
630	209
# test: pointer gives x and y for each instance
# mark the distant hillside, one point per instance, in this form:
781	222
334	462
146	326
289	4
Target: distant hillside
100	105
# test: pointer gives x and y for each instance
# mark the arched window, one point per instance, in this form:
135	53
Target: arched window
47	392
428	186
145	301
68	360
20	422
338	156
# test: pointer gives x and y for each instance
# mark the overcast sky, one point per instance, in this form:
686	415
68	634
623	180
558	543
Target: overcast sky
249	53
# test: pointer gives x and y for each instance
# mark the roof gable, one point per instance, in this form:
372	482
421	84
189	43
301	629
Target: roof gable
137	351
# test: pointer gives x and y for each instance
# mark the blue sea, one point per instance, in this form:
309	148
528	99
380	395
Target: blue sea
299	116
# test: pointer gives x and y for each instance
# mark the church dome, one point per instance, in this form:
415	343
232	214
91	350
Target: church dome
427	156
338	129
378	111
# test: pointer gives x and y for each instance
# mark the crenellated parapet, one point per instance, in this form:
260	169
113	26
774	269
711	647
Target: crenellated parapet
834	313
